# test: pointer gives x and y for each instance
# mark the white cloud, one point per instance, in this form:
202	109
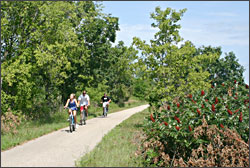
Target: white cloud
223	14
231	37
216	34
127	32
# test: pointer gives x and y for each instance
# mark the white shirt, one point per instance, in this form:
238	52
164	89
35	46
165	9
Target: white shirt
104	104
83	99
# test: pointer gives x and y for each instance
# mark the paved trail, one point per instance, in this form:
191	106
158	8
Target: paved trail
57	150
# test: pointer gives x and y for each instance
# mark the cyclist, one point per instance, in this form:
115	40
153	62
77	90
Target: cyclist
84	102
72	104
105	99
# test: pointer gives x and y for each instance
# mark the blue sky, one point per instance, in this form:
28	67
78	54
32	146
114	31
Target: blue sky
217	23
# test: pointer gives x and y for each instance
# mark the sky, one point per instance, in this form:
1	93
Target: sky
216	23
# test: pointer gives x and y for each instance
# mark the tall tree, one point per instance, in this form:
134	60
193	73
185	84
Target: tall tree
173	69
120	72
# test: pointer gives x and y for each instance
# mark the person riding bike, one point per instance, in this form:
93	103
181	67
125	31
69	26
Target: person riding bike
105	99
84	102
72	104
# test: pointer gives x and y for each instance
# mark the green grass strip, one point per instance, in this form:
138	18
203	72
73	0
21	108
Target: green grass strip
118	147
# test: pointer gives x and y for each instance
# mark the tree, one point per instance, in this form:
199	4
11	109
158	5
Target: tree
98	31
19	21
52	49
223	69
174	70
120	72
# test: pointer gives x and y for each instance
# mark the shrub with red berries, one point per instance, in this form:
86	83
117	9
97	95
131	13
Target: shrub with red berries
176	124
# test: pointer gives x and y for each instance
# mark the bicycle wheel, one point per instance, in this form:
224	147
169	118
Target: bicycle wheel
105	111
84	117
73	123
70	126
81	118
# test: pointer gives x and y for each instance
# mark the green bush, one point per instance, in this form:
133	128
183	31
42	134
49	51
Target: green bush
226	106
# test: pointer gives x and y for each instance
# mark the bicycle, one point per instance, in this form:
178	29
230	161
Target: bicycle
72	125
84	116
105	111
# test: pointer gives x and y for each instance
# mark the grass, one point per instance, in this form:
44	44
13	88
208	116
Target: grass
34	129
118	147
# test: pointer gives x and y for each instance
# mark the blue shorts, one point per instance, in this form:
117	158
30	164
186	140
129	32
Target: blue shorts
73	108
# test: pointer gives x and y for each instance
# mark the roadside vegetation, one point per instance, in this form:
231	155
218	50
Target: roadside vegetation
200	102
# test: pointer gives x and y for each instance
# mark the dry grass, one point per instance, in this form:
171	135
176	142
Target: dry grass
9	123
